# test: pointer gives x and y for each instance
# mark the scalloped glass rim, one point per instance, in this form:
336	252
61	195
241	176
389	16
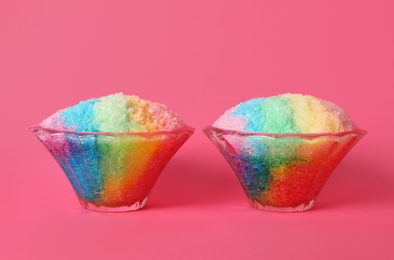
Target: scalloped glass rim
356	131
184	129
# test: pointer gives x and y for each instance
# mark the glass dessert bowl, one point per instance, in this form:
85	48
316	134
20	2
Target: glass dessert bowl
112	172
282	172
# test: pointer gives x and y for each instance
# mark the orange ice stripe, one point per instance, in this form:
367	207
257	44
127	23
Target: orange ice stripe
125	187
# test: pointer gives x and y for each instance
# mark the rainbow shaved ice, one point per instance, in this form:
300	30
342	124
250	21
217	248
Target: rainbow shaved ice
115	113
286	114
113	148
284	148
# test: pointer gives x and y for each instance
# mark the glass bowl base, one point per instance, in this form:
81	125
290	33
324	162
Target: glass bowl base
90	206
303	207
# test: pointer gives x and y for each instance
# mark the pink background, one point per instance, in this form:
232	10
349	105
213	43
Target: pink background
200	58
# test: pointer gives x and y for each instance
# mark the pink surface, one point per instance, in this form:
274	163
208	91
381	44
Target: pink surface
200	58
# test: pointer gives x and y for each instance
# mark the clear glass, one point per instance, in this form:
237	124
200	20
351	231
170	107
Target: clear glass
112	172
282	172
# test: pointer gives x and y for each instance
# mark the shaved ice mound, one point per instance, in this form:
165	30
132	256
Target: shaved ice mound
115	113
113	148
284	148
286	114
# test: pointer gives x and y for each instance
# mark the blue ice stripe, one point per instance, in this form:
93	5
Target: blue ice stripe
251	111
80	116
